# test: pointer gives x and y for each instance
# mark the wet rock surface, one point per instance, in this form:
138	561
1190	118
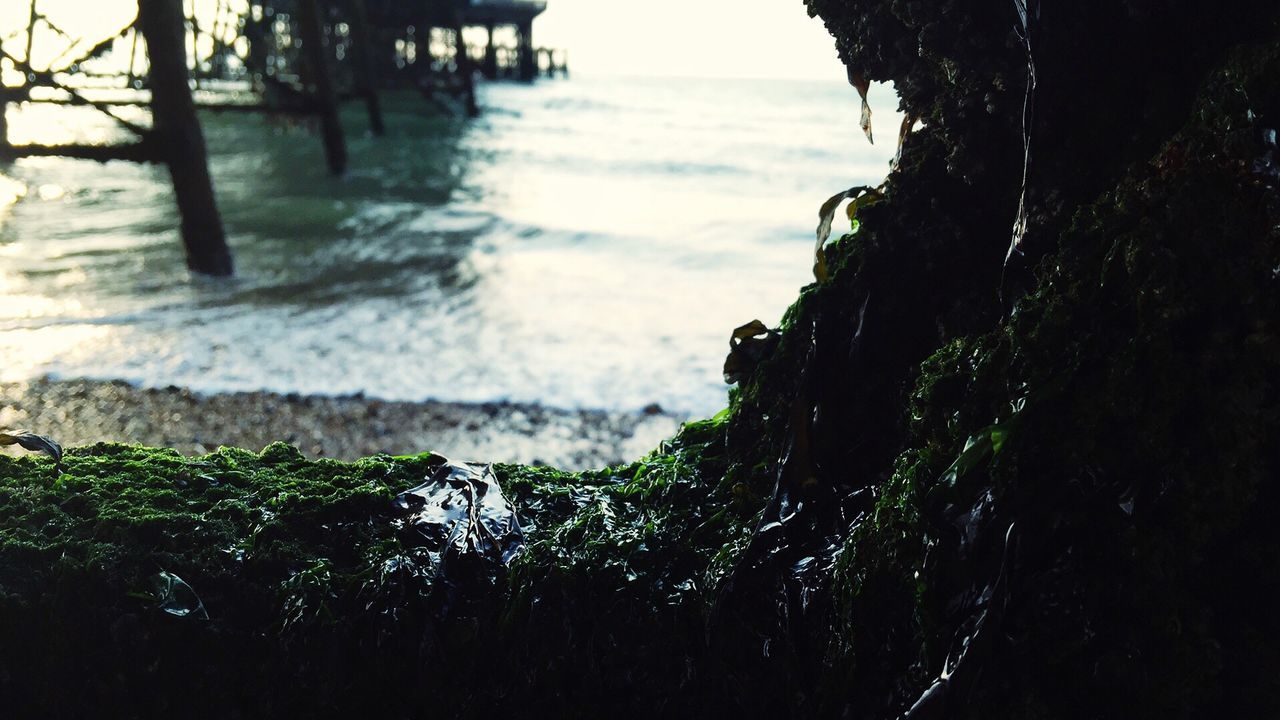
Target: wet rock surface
957	482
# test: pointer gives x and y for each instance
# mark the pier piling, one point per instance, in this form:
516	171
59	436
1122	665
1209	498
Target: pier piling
320	79
528	60
490	68
290	57
423	72
4	109
363	74
176	130
464	69
4	120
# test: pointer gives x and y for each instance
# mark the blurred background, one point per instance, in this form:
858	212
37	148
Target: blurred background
553	280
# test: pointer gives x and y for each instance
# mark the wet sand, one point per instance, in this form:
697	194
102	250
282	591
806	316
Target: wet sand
80	412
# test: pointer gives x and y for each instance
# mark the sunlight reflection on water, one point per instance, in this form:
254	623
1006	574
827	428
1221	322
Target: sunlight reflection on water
584	244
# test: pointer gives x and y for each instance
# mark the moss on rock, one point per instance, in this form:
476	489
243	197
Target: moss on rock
960	483
311	596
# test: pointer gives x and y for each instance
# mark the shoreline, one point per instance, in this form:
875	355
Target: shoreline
82	412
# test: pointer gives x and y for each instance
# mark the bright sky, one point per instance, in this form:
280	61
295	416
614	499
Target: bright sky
704	38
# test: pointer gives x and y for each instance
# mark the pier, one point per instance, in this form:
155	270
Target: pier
176	59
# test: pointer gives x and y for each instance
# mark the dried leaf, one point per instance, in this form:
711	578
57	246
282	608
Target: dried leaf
755	328
867	199
908	121
859	81
826	214
35	443
747	346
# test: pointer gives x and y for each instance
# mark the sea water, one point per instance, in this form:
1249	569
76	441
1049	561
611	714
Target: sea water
585	243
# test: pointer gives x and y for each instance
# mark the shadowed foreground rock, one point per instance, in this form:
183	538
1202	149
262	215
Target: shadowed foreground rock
952	485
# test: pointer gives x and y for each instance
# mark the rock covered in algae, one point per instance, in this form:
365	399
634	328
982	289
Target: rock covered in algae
957	482
265	584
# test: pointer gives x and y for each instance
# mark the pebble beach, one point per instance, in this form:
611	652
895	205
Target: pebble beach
82	412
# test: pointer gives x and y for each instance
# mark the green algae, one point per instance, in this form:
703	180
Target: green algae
843	534
80	552
137	509
1119	402
1124	405
291	561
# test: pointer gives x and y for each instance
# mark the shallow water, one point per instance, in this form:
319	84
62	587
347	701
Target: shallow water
587	243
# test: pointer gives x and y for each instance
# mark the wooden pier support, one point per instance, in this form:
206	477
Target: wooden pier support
424	75
4	120
320	78
290	55
528	59
490	67
363	73
4	107
144	151
177	131
258	35
464	69
553	66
